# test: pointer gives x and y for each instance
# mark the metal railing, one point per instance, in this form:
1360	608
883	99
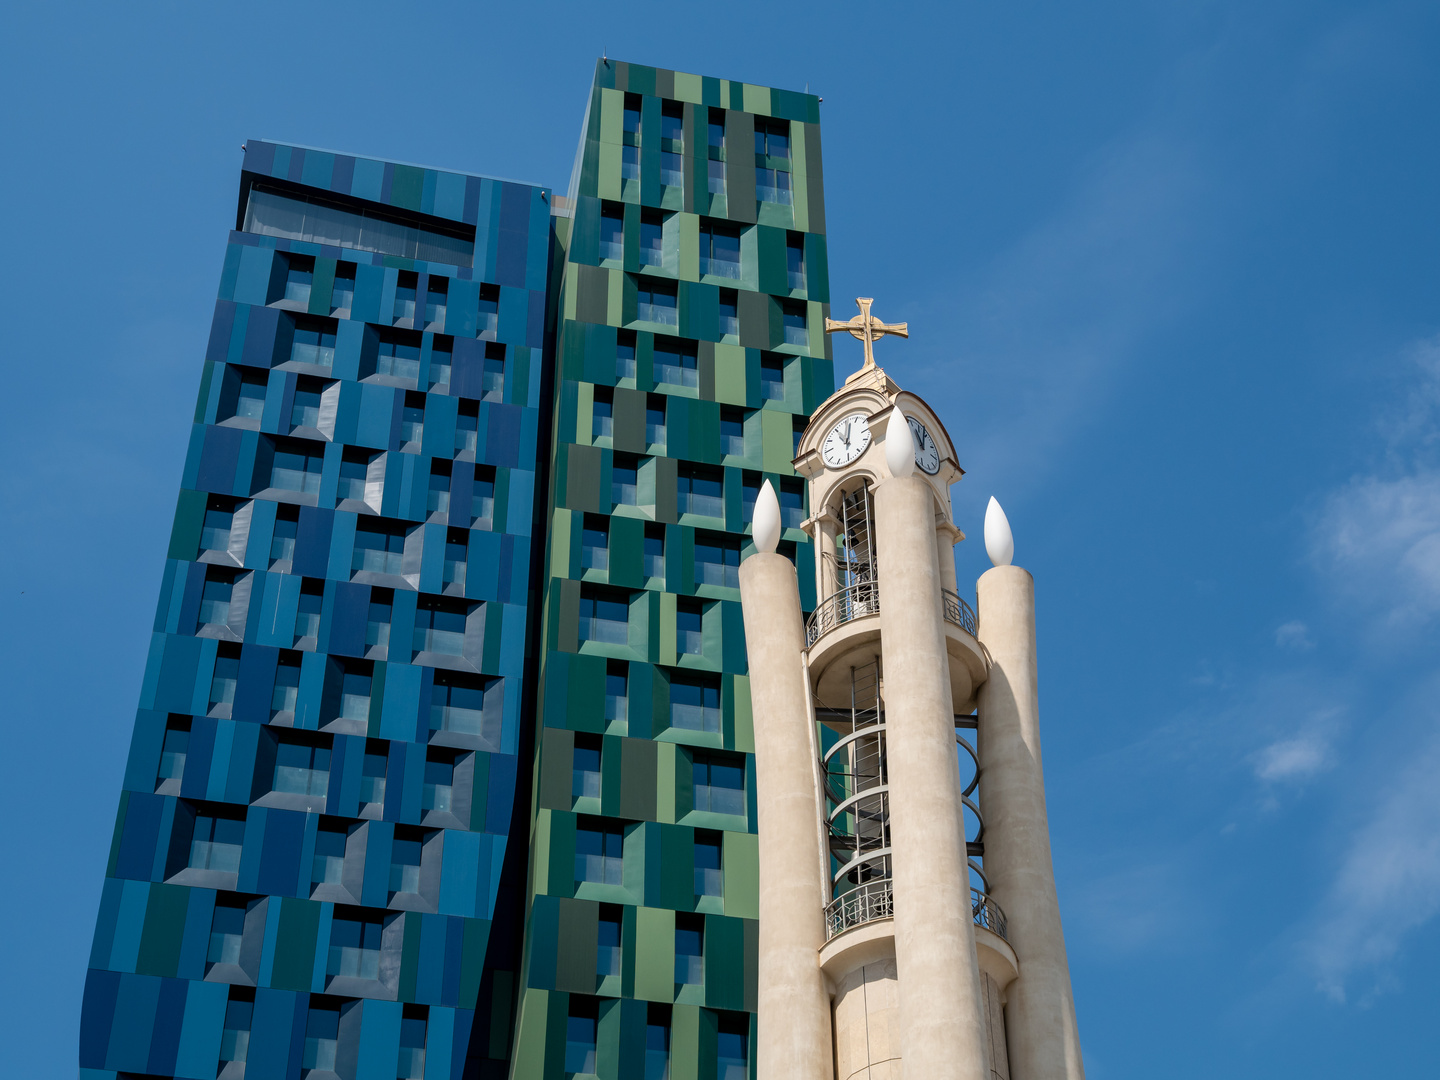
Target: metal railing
852	602
874	900
958	612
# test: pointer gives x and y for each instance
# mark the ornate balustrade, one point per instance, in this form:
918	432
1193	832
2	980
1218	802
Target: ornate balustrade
874	900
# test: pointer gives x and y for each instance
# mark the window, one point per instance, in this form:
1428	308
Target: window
492	380
657	1044
655	302
235	1035
372	776
715	177
302	769
617	701
624	477
749	492
437	498
732	1043
342	296
676	363
595	543
694	704
412	419
792	503
227	931
322	1037
608	955
377	622
268	213
772	378
354	947
436	295
405	287
452	570
797	435
299	276
672	169
689	629
689	949
355	686
604	618
629	163
655	420
652	240
467	427
465	705
308	609
773	186
314	342
599	851
439	627
585	767
250	404
282	539
215	599
173	750
716	131
488	311
612	233
732	432
795	259
797	332
328	865
305	406
729	314
717	561
411	1063
297	468
719	786
482	497
398	355
709	880
580	1037
441	361
719	250
699	490
772	140
672	125
625	355
216	842
215	531
653	557
225	678
286	694
602	414
631	120
404	866
439	784
379	547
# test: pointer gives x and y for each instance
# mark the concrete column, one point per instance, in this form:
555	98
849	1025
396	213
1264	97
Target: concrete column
942	1027
793	1037
945	549
825	532
1040	1015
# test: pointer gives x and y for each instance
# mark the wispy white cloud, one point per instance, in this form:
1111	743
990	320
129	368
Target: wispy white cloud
1293	759
1294	635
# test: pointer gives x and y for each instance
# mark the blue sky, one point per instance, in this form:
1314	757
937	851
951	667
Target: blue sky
1171	277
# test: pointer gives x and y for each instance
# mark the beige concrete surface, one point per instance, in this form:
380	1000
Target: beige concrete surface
867	1023
793	1033
941	1018
1044	1039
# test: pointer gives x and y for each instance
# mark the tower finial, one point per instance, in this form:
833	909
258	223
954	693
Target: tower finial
867	328
999	542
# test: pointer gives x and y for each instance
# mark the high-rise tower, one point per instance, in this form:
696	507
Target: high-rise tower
911	943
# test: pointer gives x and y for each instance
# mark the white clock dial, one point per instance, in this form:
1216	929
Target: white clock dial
847	441
927	454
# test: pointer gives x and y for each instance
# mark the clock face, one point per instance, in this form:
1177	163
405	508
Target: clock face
927	454
847	441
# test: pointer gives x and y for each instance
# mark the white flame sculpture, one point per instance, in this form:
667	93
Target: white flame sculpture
999	542
766	523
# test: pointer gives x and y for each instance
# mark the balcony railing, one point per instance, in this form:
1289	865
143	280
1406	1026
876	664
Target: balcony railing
852	602
874	900
957	611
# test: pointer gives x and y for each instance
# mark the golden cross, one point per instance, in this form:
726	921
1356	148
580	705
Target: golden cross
867	328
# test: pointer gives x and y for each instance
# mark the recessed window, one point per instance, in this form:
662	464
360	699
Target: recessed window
604	617
719	785
630	122
624	480
286	694
235	1033
719	250
227	931
580	1027
467	705
732	1049
317	220
617	701
672	169
656	302
732	432
773	186
299	278
354	473
412	419
354	947
314	342
342	294
792	502
492	379
301	769
602	415
328	865
585	767
772	139
356	683
482	497
694	703
305	406
296	467
410	1064
379	547
689	628
437	497
653	555
405	287
612	233
225	677
372	777
441	361
173	750
282	539
676	363
215	597
729	314
672	125
467	425
700	489
215	529
715	177
717	560
216	843
709	879
250	401
377	621
772	378
652	240
398	355
488	311
716	131
608	955
440	627
436	298
595	543
438	789
307	612
655	421
600	851
625	354
657	1043
795	259
457	553
404	865
689	949
797	331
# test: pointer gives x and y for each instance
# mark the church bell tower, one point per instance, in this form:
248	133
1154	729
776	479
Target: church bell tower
909	924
